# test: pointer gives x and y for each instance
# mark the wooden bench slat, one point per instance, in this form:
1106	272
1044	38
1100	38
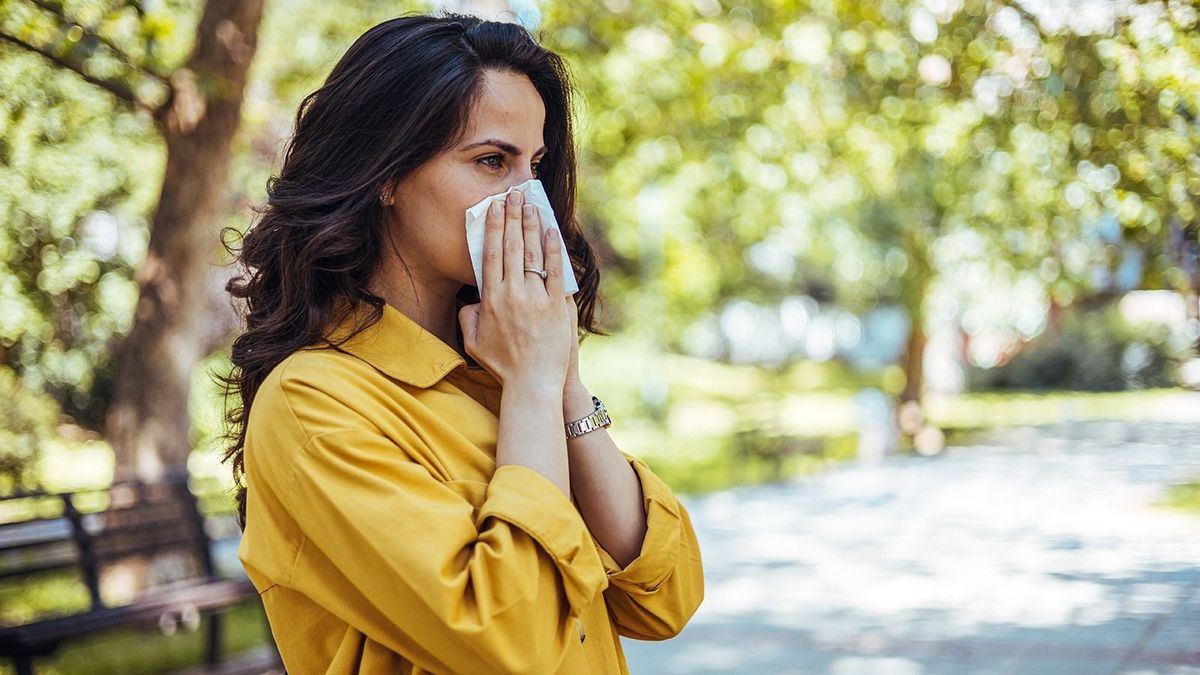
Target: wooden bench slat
13	535
148	548
30	559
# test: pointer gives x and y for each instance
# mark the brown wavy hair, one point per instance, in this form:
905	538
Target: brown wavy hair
401	94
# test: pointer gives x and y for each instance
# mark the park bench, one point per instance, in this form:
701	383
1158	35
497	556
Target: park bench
159	526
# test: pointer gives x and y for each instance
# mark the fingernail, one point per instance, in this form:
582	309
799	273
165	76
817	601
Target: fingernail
496	207
528	209
514	197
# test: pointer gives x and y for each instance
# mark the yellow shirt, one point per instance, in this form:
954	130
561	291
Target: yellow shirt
384	539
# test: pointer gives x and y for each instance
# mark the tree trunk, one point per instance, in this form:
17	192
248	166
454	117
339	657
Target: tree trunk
914	358
1191	300
915	286
148	421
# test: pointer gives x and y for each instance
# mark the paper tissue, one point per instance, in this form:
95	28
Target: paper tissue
535	194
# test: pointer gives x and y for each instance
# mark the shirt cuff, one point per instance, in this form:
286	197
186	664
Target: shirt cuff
533	503
660	548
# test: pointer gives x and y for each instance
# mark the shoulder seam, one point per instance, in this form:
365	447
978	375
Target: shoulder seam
288	402
283	391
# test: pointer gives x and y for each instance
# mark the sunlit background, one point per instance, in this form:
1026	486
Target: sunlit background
903	299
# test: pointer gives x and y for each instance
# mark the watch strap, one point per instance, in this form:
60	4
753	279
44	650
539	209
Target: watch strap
598	419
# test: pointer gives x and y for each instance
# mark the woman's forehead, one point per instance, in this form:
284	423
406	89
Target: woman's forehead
509	109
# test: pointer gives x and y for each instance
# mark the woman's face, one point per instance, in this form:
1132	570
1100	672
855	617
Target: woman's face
501	147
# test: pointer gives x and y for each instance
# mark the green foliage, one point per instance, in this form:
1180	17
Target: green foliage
80	172
754	151
77	179
27	420
1093	351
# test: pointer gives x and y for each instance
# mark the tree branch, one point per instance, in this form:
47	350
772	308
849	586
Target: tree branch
115	87
60	14
136	5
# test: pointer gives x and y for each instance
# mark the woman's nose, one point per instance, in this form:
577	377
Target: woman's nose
522	176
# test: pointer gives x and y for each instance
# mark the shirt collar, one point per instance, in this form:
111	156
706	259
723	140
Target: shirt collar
397	346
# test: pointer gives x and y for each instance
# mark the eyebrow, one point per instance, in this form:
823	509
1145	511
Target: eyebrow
503	145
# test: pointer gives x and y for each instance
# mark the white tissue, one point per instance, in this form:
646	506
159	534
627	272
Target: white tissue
535	194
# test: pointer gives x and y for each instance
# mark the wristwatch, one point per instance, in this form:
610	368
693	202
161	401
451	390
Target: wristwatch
597	420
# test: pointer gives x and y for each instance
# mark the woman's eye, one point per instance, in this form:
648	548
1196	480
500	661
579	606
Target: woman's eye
499	163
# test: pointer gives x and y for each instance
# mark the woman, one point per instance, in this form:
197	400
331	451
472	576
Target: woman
411	500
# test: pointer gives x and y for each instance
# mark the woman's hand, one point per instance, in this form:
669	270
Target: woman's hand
521	330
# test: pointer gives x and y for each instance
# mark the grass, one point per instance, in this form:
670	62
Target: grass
727	467
694	446
23	600
987	410
1185	497
142	651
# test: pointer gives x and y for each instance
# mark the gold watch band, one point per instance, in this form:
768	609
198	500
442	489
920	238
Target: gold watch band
598	419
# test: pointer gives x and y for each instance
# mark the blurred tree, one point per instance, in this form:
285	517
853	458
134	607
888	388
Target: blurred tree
1094	350
195	104
25	423
742	151
82	174
72	231
1061	146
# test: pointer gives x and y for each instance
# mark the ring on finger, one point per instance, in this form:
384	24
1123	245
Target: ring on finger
541	273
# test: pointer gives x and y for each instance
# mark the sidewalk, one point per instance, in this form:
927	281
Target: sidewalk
1040	553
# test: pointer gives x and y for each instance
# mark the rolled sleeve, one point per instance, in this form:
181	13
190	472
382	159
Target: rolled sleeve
528	500
654	596
656	559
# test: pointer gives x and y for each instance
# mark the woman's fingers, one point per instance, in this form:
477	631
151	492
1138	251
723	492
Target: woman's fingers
531	224
468	317
518	316
553	263
514	243
493	247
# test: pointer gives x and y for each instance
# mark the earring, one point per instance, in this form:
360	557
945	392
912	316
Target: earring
383	199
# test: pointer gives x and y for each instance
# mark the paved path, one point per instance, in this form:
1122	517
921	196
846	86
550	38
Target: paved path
1039	554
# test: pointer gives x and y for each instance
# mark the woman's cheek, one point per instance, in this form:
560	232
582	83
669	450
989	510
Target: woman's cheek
485	176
